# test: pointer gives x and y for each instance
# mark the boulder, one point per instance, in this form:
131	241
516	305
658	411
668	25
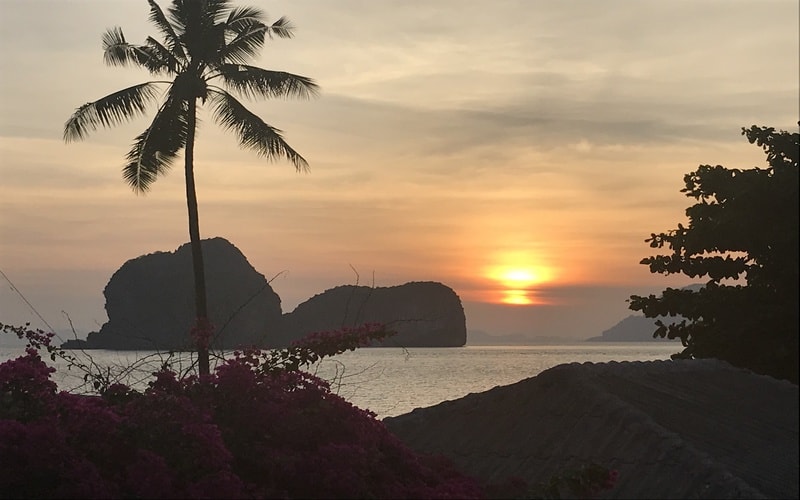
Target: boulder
424	314
150	301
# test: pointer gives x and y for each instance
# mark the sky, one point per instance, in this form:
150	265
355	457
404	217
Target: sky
519	152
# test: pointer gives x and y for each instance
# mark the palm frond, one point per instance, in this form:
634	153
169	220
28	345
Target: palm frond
186	14
246	43
177	18
216	10
164	59
173	43
252	81
282	28
251	130
110	110
241	19
118	52
155	149
202	28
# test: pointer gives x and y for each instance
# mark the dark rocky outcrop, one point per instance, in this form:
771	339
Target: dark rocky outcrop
424	314
150	306
150	301
633	329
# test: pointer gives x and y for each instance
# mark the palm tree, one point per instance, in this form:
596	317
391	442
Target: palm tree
203	55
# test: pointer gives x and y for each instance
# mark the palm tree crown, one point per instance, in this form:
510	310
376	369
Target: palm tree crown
205	47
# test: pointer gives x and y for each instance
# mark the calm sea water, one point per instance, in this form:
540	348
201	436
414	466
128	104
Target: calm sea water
392	381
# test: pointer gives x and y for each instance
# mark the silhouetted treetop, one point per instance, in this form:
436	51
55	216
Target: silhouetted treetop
743	236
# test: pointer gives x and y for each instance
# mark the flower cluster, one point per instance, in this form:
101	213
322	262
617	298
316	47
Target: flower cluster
312	348
25	388
247	431
330	343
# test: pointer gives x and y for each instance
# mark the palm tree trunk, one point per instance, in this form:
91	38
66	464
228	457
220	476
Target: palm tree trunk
202	327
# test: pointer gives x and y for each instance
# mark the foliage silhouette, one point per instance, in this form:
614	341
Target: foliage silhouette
205	42
743	228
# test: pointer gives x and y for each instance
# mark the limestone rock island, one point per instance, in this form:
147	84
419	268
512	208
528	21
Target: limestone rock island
150	306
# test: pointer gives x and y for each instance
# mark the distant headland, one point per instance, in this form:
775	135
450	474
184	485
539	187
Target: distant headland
633	329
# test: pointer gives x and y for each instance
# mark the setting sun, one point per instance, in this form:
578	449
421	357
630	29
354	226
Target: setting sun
516	274
516	297
519	277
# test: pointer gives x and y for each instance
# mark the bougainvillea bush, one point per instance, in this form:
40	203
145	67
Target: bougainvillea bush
258	427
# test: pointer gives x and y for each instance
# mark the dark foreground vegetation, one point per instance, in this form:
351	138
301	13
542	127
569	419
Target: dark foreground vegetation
257	427
742	236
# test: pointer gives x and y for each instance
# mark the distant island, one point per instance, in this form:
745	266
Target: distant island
634	328
421	313
149	303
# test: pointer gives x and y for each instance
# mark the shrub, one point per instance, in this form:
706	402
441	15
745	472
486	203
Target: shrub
256	427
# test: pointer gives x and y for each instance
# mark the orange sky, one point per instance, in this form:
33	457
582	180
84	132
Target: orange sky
520	151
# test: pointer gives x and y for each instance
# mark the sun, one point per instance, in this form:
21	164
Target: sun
517	277
517	273
516	297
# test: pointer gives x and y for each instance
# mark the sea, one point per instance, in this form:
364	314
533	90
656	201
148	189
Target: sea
387	381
